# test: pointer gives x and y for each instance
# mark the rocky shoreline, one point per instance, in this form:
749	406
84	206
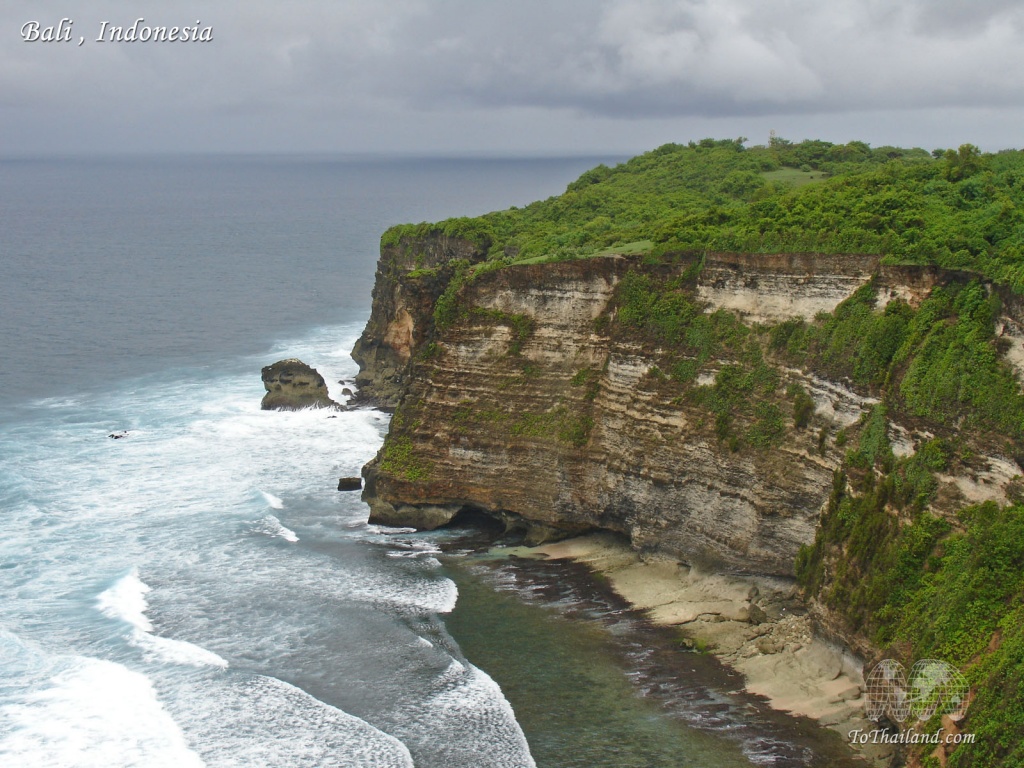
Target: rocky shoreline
292	385
515	597
757	626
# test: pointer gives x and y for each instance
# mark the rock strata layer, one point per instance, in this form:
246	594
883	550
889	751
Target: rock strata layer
292	385
533	405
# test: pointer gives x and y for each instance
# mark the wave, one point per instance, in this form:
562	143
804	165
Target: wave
261	720
422	596
272	500
479	725
57	402
126	601
271	526
93	713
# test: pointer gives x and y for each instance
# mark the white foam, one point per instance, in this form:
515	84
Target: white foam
168	649
263	721
126	601
415	547
421	557
57	402
423	596
272	500
94	714
271	526
477	720
385	530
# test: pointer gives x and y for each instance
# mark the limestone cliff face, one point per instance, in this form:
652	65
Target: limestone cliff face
401	307
536	407
772	287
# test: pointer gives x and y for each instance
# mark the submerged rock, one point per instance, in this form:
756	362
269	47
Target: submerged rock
291	385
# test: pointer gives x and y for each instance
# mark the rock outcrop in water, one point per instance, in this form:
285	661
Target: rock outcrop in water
536	404
292	385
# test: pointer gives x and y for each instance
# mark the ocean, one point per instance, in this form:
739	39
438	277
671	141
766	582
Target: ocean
197	592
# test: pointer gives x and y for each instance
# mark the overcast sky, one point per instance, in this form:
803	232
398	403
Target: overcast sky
516	76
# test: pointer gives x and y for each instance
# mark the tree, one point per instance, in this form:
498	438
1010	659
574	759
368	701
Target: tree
963	163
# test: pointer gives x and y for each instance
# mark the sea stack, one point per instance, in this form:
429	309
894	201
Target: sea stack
291	385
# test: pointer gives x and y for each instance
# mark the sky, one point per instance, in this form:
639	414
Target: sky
497	77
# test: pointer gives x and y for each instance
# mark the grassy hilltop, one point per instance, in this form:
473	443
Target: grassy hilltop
958	209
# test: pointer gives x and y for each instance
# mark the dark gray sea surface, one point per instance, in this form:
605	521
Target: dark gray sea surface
121	266
196	592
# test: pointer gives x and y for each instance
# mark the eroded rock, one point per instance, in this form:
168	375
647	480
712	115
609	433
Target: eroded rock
292	385
535	406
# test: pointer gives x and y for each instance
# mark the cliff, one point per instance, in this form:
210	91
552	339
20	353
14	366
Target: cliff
411	275
684	351
545	403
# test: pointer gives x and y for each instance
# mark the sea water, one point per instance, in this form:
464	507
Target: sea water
197	592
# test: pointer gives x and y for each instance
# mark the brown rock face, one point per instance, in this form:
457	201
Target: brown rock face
411	274
528	439
350	483
292	385
536	407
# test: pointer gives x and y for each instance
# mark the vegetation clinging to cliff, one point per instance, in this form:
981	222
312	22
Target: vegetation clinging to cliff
959	209
922	590
940	362
918	583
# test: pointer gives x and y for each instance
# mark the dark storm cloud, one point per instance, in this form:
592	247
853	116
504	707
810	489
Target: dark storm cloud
287	74
632	58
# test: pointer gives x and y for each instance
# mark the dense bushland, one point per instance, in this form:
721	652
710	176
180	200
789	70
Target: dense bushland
958	209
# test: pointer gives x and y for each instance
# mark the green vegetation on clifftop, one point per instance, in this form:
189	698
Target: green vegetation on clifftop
958	209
